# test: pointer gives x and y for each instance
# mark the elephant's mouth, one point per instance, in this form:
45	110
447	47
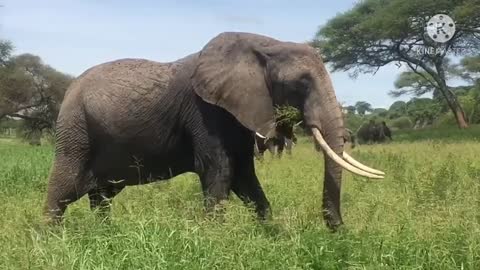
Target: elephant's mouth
346	162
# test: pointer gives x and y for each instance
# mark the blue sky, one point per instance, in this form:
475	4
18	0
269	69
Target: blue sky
73	35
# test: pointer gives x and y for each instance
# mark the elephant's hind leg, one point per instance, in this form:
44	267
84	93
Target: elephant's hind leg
71	177
69	181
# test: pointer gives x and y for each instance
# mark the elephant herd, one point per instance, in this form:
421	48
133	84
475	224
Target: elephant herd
284	139
136	121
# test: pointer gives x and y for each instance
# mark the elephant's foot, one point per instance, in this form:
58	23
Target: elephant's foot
334	225
333	220
215	209
264	213
53	216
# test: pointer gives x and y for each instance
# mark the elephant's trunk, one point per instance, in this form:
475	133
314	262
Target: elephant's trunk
323	115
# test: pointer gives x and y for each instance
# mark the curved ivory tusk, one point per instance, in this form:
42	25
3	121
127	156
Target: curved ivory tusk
260	135
359	165
331	154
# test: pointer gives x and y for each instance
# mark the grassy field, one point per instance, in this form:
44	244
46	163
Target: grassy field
424	215
443	134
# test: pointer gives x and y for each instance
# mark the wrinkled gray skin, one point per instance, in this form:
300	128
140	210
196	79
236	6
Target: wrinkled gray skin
373	132
135	121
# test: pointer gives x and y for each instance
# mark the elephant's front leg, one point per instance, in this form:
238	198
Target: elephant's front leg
280	146
247	187
257	153
271	144
216	177
288	146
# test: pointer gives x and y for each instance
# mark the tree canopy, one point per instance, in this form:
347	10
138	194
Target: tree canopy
350	109
363	107
376	33
468	95
30	89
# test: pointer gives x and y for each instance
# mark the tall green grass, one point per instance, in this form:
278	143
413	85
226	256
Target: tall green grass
423	215
444	134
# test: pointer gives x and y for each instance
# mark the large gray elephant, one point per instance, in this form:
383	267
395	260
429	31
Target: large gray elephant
135	121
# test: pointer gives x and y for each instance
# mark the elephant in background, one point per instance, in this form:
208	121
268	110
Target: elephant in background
284	139
386	131
374	132
135	121
349	137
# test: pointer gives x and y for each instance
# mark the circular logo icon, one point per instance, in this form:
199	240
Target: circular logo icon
441	28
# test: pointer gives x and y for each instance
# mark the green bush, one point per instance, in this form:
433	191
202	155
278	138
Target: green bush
401	123
287	115
354	121
445	120
450	134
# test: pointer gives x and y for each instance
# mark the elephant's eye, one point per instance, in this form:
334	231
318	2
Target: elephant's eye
304	81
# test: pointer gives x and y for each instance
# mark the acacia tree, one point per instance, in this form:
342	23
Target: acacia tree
468	95
5	52
411	83
362	107
376	33
469	70
397	109
382	112
30	90
350	109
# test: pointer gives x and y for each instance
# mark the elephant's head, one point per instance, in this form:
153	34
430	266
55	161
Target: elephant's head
248	75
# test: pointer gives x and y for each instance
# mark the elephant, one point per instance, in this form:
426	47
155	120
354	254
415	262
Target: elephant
349	136
284	139
34	138
374	133
386	130
136	121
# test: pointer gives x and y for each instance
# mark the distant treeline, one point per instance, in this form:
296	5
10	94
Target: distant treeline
417	113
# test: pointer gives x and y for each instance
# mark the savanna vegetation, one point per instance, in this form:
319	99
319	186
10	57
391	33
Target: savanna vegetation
423	215
376	33
424	111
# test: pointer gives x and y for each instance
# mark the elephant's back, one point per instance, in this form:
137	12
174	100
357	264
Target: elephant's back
124	76
119	94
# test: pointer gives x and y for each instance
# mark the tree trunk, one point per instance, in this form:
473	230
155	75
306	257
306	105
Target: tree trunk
449	96
460	117
453	104
456	108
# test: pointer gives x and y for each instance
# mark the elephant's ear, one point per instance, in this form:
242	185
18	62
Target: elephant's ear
231	73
